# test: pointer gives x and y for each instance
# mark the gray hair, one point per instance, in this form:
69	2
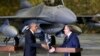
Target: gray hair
32	24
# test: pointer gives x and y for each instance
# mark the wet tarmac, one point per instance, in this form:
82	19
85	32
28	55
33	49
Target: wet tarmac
89	42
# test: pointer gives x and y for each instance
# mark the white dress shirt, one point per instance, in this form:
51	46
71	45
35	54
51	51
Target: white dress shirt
68	36
31	31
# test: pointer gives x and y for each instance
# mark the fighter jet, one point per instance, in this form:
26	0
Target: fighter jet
9	31
56	14
90	21
51	15
50	12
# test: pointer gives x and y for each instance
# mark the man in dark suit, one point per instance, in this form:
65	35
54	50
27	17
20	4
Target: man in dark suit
30	41
71	41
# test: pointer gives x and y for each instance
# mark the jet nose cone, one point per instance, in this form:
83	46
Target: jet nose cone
66	19
58	14
65	15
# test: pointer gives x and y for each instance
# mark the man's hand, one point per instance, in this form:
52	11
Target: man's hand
45	46
52	50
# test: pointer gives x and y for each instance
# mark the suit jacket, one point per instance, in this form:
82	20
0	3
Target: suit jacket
73	42
30	44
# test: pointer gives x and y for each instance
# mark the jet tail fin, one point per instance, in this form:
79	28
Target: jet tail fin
25	4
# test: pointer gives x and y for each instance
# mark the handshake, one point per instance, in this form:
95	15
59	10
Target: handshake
51	49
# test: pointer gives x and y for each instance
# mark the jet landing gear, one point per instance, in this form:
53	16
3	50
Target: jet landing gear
6	40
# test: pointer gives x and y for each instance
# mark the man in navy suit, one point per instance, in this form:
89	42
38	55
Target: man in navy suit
71	41
30	41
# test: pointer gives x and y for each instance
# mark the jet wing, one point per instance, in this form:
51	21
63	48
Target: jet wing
90	20
24	19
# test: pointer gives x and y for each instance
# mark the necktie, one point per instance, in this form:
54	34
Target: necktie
65	39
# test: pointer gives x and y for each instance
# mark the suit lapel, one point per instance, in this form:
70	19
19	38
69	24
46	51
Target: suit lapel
32	36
